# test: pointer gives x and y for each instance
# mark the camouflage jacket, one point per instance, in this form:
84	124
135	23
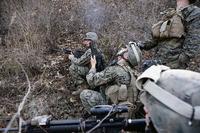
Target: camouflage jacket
119	81
110	75
84	59
176	52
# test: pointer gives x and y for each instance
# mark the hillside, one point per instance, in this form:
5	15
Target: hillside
30	30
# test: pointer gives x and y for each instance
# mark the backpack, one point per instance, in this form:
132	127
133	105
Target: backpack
170	26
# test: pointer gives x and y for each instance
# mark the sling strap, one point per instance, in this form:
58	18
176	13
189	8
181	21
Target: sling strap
171	101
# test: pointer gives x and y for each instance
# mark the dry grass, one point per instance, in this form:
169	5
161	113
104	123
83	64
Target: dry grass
36	24
29	28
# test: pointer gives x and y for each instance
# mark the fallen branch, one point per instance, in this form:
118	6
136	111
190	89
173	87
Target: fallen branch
22	103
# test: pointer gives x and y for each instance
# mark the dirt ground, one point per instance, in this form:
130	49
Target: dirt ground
50	92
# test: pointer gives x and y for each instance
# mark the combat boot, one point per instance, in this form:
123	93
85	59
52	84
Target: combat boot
80	88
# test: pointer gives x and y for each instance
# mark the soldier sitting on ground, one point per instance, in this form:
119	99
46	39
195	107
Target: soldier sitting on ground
171	98
80	66
118	80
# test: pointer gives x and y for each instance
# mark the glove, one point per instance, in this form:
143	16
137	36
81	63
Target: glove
71	56
141	45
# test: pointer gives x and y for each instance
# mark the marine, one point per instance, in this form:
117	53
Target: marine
176	38
118	80
80	66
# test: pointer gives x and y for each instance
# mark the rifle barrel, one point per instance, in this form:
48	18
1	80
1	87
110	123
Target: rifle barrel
10	129
68	126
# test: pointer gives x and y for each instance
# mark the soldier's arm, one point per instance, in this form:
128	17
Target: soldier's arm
149	44
84	59
101	78
191	44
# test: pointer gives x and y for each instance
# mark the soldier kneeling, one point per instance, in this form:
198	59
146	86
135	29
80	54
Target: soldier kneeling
118	80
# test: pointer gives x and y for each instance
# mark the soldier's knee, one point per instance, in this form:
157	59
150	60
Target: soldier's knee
84	94
85	99
72	67
91	97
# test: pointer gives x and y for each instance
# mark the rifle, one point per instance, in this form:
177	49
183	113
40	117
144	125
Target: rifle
99	58
113	60
77	53
104	119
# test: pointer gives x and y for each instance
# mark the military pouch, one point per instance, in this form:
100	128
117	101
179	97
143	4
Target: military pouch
117	93
122	94
171	26
177	27
165	29
156	29
112	93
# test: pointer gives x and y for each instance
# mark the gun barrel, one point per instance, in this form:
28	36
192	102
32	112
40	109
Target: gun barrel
67	51
135	125
10	129
68	126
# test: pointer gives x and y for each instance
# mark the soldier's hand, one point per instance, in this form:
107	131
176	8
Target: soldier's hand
71	56
140	44
93	61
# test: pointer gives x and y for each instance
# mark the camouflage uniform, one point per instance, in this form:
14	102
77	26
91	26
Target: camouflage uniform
119	80
115	77
176	52
79	67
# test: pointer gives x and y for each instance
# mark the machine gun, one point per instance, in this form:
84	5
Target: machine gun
99	57
104	120
77	53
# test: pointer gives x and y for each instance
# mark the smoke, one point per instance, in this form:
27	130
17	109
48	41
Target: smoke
94	14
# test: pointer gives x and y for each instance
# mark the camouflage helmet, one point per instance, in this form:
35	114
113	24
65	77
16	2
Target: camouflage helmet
91	36
184	85
134	53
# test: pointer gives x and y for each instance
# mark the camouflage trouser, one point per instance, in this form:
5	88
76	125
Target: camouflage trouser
78	73
90	98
